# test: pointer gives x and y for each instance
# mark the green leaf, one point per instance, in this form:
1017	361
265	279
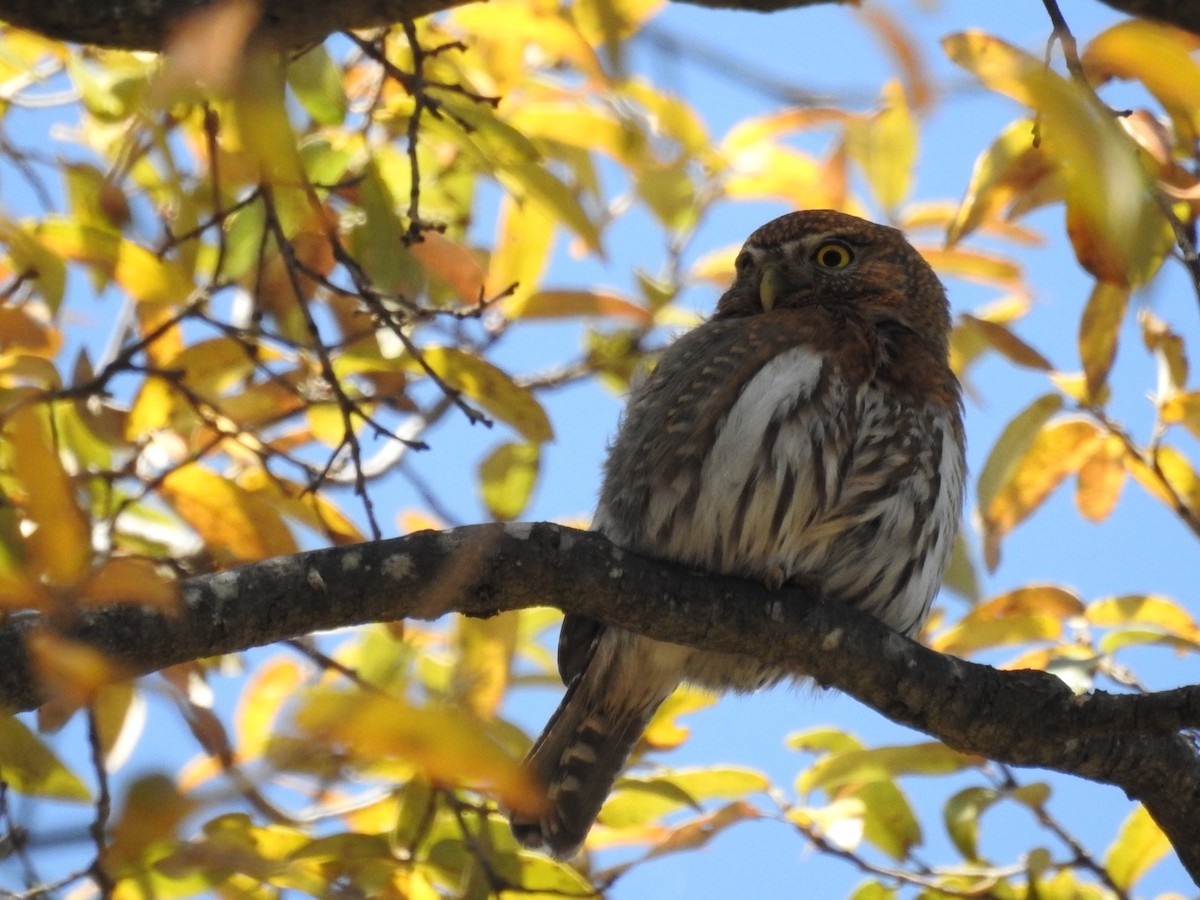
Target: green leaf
640	800
961	814
507	477
30	767
882	763
317	84
490	387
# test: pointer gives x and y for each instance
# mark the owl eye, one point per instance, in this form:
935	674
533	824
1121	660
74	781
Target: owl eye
833	255
743	260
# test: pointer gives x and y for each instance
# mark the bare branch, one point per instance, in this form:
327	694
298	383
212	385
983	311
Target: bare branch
297	23
1027	718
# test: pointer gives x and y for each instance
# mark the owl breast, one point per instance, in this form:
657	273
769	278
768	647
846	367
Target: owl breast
830	481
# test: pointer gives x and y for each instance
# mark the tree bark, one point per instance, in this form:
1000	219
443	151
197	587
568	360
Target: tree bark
147	24
1028	718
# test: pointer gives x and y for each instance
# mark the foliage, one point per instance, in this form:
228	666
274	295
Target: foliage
308	263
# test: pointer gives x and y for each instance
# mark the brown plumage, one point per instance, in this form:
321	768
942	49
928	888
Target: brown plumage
809	433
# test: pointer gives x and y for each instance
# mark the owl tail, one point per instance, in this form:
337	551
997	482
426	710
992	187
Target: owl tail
578	758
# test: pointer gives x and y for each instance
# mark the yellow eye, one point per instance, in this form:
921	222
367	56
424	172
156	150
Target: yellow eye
833	255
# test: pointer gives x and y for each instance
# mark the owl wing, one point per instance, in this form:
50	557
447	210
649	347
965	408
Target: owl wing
576	644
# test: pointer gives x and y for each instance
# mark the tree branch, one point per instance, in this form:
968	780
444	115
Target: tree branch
1027	718
147	24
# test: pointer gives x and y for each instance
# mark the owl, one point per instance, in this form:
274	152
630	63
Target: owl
809	433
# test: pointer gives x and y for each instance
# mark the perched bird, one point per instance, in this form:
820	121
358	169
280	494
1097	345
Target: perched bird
810	433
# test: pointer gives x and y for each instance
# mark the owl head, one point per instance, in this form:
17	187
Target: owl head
822	257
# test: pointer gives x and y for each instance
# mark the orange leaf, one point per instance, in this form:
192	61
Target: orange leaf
561	304
1113	218
454	264
1100	480
1158	56
69	672
134	581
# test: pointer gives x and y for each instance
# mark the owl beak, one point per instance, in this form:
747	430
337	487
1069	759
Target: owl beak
772	286
780	281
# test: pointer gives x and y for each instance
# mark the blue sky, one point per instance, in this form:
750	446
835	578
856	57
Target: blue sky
1140	549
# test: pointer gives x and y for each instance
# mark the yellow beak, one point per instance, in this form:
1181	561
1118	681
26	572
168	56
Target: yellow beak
772	286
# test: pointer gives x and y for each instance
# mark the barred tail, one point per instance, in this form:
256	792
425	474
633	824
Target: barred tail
578	758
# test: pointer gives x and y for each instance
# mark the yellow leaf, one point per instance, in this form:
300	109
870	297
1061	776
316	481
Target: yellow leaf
29	254
750	133
1098	330
1101	480
1143	609
488	386
670	117
448	745
270	686
1177	471
974	266
258	122
59	541
665	732
484	660
328	423
565	303
120	715
1158	56
31	768
964	638
1030	613
1008	169
1183	408
885	147
307	507
524	239
611	21
236	525
1055	452
770	171
1113	218
1043	599
1139	845
524	27
1013	443
569	123
140	272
